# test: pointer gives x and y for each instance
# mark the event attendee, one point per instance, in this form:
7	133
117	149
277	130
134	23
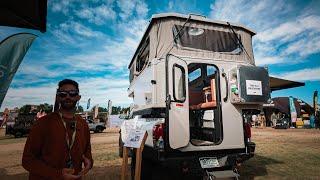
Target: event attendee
59	143
274	119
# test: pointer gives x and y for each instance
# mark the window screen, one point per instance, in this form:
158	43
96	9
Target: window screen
210	40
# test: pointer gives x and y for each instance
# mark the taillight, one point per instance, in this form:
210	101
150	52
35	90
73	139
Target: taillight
158	136
247	131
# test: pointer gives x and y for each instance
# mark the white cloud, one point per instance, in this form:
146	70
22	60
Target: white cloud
128	8
308	74
267	60
304	47
98	15
60	5
115	54
99	89
285	34
72	32
170	5
289	30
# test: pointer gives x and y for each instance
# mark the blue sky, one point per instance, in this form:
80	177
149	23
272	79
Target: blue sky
93	41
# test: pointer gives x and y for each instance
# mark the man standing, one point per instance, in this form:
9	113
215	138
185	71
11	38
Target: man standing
59	143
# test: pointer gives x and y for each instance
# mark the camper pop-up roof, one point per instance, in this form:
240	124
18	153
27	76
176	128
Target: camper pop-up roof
197	36
194	36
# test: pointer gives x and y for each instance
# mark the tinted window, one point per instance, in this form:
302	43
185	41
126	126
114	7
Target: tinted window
194	74
211	70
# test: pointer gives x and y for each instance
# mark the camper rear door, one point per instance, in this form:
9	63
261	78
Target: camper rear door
178	107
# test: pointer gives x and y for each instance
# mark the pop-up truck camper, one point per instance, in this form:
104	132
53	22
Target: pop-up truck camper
192	81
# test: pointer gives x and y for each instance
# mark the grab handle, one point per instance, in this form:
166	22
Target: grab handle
227	87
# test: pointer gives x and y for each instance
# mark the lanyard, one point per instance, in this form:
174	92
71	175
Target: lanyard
69	144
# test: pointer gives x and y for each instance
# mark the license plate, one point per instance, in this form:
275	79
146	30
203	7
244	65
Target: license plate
209	162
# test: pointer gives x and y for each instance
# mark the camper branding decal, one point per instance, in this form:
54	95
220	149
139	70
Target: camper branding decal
254	87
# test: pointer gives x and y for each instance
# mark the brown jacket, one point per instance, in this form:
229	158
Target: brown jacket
45	153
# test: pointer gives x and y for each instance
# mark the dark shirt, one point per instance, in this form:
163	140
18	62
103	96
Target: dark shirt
46	151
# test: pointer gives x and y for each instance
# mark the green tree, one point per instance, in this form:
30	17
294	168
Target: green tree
101	109
116	110
80	109
25	109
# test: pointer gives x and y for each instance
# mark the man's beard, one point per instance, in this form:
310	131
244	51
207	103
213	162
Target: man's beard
68	104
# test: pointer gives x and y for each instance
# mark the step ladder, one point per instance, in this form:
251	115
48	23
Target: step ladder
222	174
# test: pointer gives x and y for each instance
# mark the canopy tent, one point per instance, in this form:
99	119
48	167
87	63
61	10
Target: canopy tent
12	50
281	104
30	14
278	84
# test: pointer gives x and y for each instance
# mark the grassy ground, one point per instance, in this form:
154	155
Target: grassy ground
280	154
284	154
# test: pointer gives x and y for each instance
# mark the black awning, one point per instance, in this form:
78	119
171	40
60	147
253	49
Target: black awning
30	14
278	84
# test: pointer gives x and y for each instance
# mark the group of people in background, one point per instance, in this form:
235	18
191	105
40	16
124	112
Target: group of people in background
259	120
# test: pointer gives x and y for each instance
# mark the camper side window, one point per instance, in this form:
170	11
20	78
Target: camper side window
179	83
143	56
131	73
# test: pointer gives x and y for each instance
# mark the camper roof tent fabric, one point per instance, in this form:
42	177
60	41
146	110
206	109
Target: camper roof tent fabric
160	33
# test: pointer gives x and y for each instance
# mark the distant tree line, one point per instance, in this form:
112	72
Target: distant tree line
115	109
48	108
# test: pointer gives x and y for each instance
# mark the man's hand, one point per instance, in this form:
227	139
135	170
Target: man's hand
67	174
87	165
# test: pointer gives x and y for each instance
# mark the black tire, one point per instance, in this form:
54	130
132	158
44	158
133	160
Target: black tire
17	134
98	129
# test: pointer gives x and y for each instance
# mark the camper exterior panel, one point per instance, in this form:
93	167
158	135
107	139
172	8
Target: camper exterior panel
143	88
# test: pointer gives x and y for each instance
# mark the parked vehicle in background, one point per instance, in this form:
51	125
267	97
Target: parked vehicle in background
96	127
282	123
21	125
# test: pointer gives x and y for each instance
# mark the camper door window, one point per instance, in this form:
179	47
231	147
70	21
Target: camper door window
205	39
179	83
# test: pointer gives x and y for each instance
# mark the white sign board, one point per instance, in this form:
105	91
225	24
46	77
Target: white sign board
134	138
254	87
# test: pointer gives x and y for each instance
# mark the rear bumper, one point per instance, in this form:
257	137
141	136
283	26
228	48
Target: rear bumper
188	163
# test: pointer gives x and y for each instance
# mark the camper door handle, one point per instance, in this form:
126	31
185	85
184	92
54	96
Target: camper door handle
168	101
227	87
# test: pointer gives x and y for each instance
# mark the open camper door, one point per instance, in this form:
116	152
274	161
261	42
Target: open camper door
177	101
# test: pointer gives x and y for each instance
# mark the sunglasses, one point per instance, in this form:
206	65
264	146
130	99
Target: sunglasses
72	93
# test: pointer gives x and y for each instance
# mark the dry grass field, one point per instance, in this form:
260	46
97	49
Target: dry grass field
280	154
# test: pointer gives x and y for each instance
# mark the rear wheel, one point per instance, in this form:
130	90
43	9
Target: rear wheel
17	134
98	129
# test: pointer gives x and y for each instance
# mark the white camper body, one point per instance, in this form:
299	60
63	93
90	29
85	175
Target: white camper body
192	79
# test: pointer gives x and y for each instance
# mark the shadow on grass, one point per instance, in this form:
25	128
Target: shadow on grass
256	167
5	176
96	173
106	173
